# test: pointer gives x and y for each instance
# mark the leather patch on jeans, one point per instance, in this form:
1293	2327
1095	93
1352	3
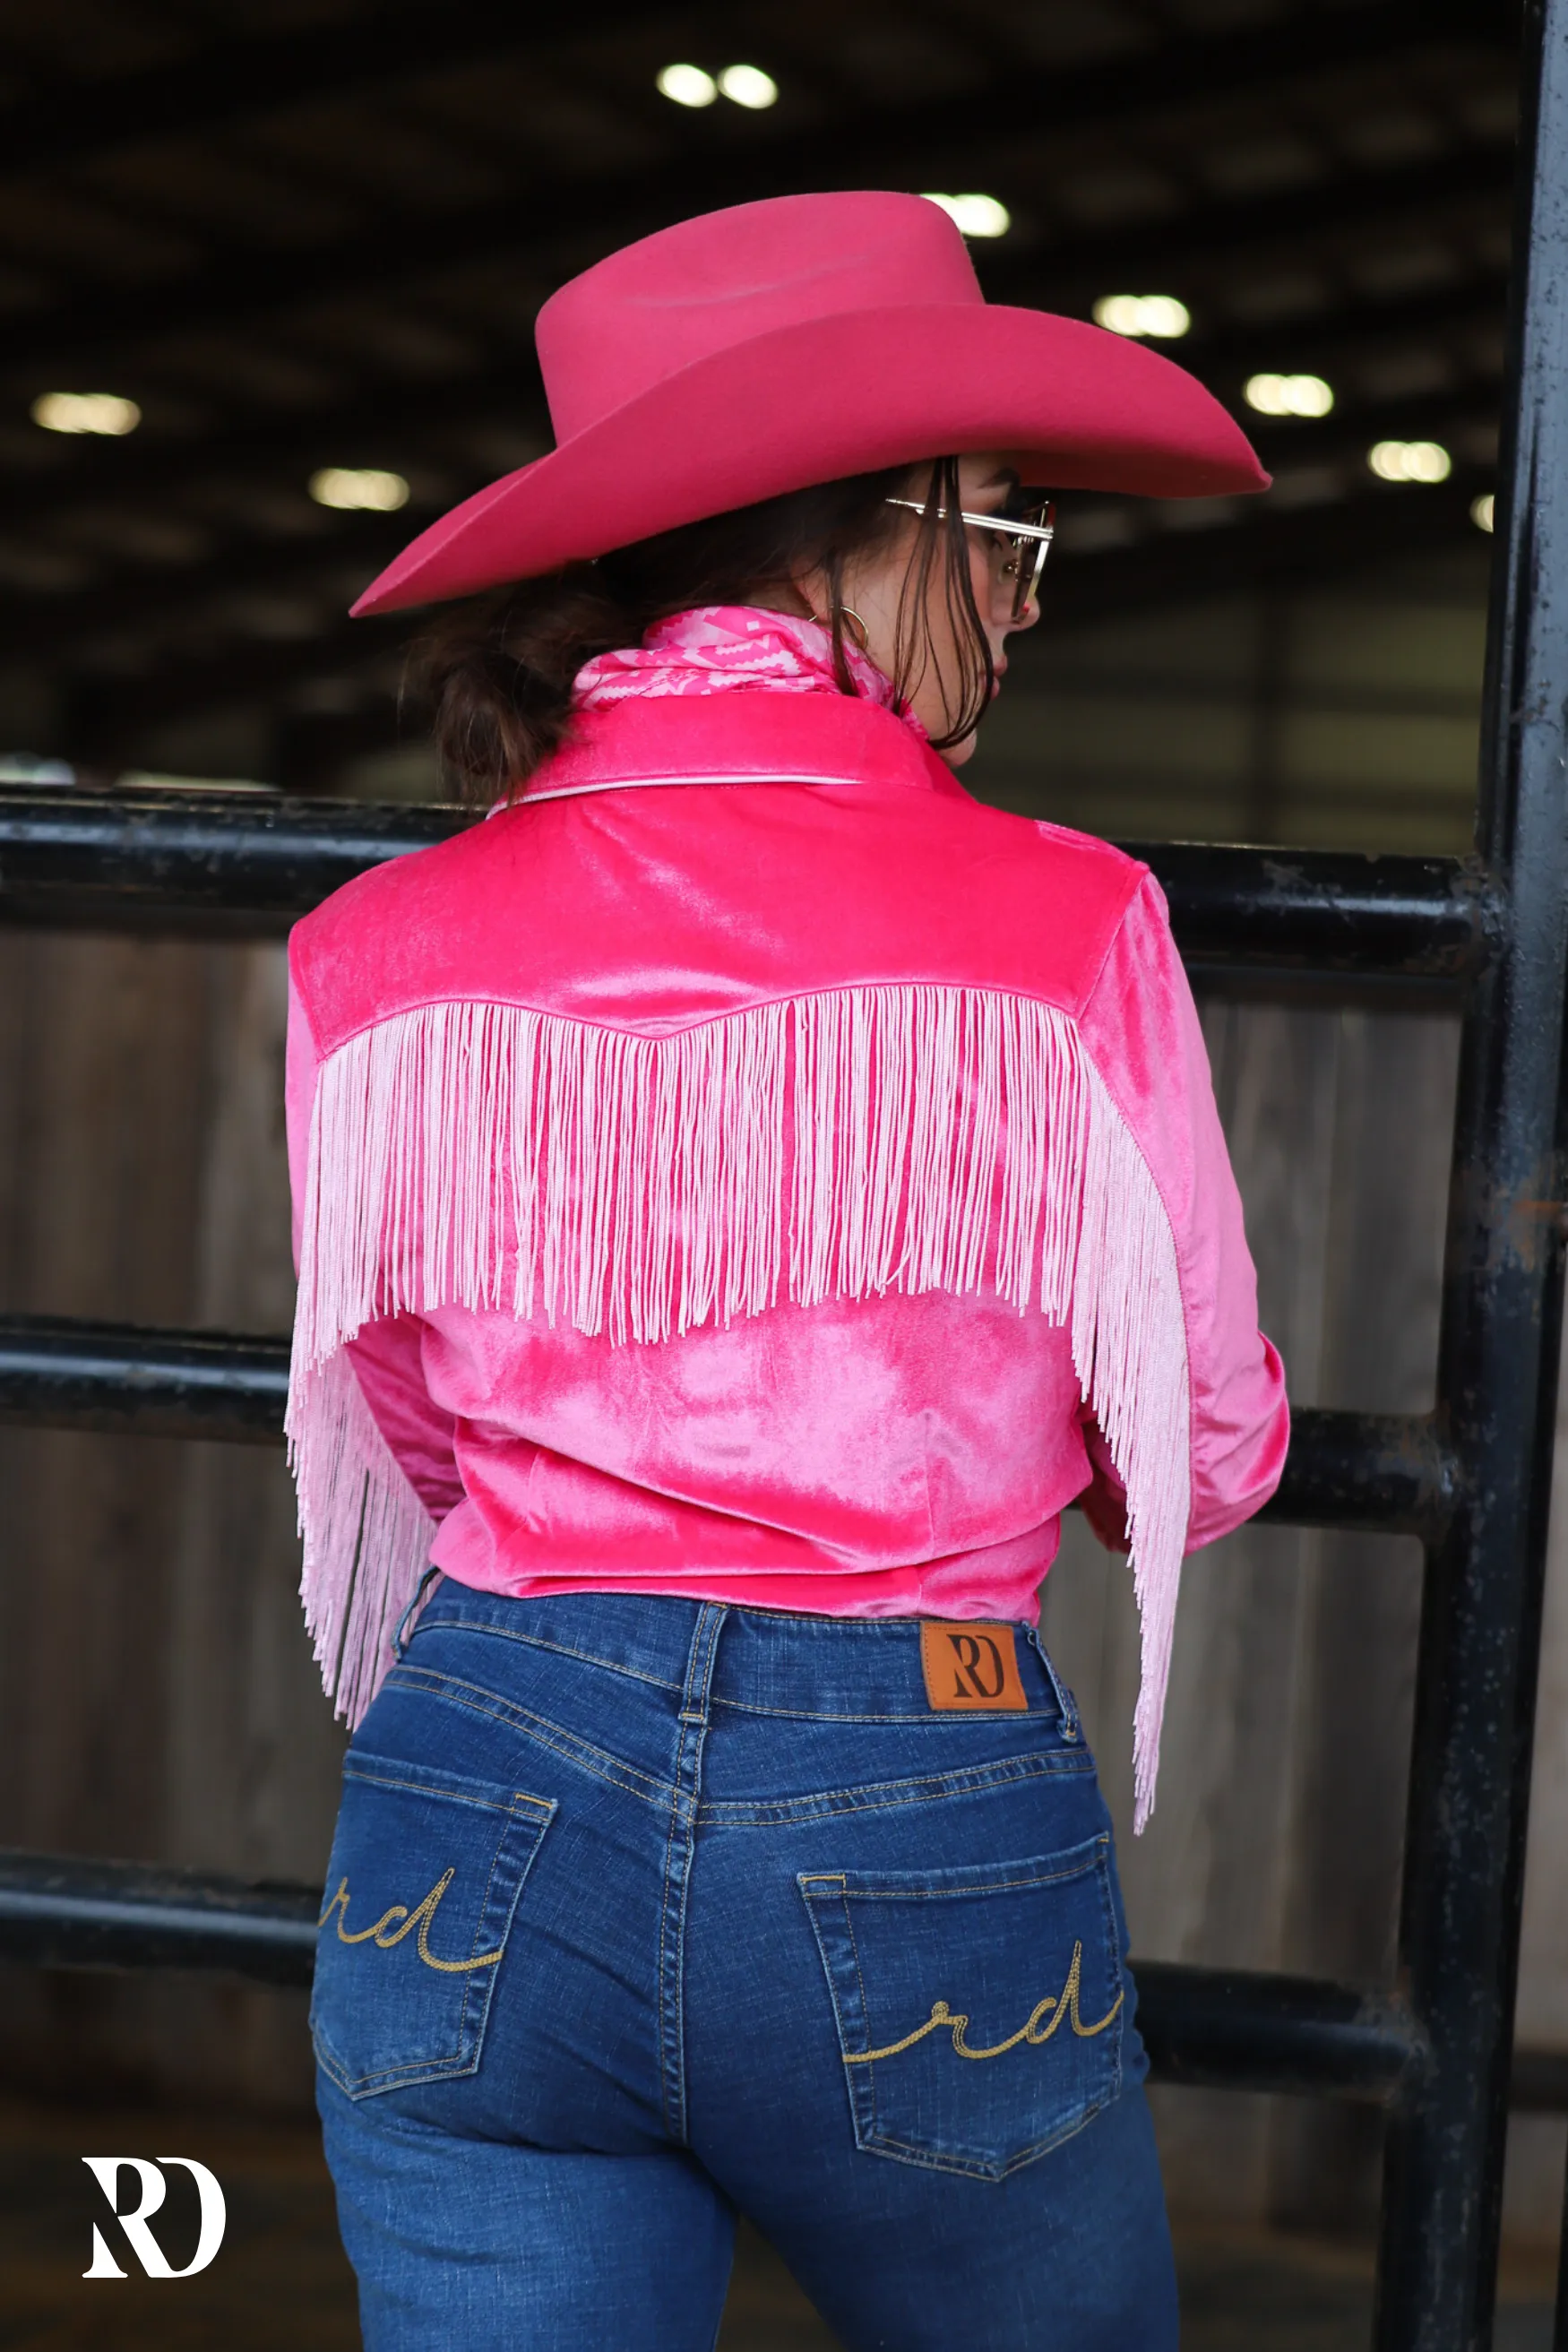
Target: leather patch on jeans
970	1667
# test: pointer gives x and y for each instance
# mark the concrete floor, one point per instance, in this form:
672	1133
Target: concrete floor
282	2279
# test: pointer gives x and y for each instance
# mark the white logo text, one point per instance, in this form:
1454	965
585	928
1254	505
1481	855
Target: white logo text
106	2170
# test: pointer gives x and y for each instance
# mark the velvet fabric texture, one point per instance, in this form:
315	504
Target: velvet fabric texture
733	649
751	1170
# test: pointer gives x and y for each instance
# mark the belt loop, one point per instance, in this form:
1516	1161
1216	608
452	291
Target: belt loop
1065	1699
694	1697
401	1639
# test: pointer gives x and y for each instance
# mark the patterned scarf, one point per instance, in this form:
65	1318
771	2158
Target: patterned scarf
728	648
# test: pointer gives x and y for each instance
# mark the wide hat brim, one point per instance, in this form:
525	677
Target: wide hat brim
845	393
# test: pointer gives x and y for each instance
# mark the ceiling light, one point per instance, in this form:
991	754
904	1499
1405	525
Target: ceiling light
747	86
688	86
1483	512
359	488
85	412
1143	314
1288	395
975	216
24	768
1410	461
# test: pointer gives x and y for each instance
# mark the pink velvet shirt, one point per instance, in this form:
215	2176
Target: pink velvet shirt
751	1168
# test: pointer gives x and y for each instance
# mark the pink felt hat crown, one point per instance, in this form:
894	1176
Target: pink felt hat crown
757	350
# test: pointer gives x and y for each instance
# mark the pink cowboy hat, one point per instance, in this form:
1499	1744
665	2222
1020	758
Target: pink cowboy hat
760	349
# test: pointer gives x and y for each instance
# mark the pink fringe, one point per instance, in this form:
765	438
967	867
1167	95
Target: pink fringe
838	1145
1129	1352
367	1535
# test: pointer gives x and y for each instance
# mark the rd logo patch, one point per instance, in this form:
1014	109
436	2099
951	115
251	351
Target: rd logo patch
971	1668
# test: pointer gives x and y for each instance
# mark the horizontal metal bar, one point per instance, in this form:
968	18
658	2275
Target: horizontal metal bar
1384	1470
59	1375
252	862
1322	910
1202	2025
1538	2082
59	1911
1345	1469
1215	2026
1239	2028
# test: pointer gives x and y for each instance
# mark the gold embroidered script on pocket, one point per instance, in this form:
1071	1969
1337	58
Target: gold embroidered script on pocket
420	1918
1055	2006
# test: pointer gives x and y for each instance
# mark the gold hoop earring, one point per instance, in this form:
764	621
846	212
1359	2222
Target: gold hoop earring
861	634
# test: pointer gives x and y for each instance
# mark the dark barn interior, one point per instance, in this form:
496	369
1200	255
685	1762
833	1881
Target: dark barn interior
301	238
268	273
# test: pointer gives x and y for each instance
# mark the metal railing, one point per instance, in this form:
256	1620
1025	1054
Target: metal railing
1471	1479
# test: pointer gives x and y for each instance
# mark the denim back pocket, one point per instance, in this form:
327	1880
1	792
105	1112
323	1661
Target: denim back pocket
426	1871
980	2010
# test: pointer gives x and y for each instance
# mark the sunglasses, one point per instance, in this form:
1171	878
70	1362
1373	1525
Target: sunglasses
1026	539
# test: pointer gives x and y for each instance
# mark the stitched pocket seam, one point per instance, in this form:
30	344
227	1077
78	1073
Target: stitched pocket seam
565	1744
534	1813
903	2152
352	1772
536	1642
904	1887
879	1796
827	1895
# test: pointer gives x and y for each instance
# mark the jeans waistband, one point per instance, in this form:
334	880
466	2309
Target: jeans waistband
767	1662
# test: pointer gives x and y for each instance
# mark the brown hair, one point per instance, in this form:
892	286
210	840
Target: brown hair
500	668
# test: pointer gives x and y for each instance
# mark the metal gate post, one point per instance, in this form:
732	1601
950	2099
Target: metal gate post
1497	1355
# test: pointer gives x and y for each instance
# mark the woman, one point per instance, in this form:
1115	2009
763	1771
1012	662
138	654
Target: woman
746	1191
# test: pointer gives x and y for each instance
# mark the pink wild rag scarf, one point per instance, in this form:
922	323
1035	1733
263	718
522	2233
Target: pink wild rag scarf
727	649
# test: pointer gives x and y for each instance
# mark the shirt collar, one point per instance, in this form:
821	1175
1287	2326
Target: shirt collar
739	738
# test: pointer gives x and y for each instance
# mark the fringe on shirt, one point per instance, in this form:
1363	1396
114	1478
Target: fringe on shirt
834	1145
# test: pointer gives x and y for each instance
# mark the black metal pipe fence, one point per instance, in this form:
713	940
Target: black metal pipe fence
1471	1479
248	865
1389	1471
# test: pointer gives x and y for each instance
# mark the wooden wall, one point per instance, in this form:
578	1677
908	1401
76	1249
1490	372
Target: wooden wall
1276	1837
157	1696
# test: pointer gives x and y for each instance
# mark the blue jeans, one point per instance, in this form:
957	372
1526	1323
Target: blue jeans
644	1912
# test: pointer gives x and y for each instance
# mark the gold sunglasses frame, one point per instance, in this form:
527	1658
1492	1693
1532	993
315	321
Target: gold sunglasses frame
1042	534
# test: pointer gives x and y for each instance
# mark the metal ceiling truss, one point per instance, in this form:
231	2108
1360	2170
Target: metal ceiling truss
130	635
